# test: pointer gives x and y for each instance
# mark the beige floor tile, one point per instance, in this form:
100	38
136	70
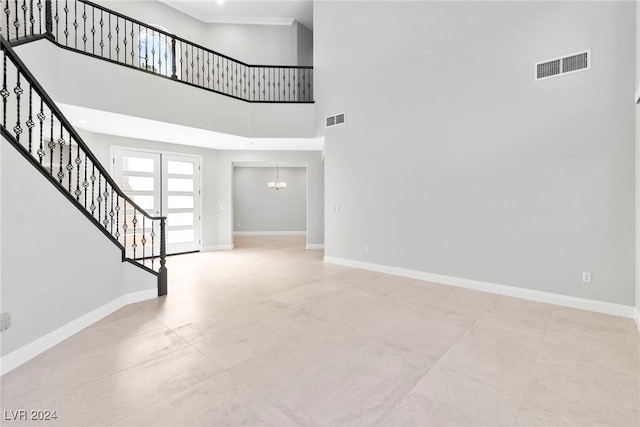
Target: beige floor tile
577	325
499	358
236	345
79	360
463	302
384	284
517	315
218	321
444	397
360	311
425	335
113	397
217	401
355	388
418	294
270	375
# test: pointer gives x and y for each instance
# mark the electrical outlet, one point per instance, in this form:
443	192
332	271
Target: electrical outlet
586	277
5	321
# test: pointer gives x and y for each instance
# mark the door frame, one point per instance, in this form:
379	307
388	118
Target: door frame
113	148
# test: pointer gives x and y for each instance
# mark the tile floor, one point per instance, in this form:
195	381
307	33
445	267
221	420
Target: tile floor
268	334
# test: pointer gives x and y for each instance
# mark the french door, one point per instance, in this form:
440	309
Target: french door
164	185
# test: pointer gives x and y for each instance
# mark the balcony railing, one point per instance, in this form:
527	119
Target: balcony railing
91	29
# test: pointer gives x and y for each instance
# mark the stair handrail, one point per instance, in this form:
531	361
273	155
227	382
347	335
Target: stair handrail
65	125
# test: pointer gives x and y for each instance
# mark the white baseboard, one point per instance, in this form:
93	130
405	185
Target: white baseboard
636	317
315	245
216	248
269	233
529	294
34	348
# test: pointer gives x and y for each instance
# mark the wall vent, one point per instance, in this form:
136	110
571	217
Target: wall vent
336	120
566	64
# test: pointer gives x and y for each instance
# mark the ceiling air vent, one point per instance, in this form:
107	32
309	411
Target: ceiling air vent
567	64
336	120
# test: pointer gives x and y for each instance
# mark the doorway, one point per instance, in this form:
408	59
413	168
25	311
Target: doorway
164	184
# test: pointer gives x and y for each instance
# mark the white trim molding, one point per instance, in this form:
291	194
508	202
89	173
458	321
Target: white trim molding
269	233
315	245
216	248
528	294
636	317
44	343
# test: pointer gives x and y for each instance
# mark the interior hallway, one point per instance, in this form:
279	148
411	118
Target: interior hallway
267	334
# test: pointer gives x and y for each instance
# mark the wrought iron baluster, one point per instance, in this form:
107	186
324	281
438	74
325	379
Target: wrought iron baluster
66	22
32	20
61	143
144	239
198	65
17	129
117	233
30	122
132	34
146	49
99	199
85	183
102	35
78	161
5	93
105	196
174	64
56	17
93	188
24	13
112	213
69	165
39	5
192	74
7	12
84	27
162	279
93	30
41	118
124	226
134	222
124	41
75	23
117	38
153	248
52	144
153	50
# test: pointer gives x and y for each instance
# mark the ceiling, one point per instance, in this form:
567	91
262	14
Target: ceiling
264	12
103	122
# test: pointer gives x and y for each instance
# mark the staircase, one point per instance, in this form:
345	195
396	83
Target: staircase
34	125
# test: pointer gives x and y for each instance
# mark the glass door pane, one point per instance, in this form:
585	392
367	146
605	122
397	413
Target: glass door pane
139	175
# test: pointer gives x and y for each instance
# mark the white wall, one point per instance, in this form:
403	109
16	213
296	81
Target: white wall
252	44
217	184
454	161
255	44
56	266
305	45
257	208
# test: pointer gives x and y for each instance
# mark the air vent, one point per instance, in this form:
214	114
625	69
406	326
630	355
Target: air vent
338	119
567	64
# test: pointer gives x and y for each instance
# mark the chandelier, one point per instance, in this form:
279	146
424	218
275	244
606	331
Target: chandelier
277	184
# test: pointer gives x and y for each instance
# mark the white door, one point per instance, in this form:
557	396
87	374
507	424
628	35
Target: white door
181	202
167	185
